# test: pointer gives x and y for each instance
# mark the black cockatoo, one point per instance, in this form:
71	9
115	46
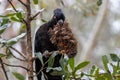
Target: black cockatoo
46	39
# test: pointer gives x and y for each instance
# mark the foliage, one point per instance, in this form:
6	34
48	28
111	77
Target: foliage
99	2
111	69
7	44
18	76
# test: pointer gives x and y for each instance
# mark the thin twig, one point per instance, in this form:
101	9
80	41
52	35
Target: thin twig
15	66
16	9
12	5
4	69
17	58
37	13
18	52
22	3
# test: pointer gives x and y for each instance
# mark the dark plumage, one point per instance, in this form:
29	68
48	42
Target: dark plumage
54	35
43	43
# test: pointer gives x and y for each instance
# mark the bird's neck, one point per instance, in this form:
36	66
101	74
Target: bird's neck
52	22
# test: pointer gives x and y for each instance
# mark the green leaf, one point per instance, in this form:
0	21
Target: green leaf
97	72
99	2
71	63
15	19
40	56
81	65
8	53
114	57
2	55
35	1
11	42
4	21
18	76
63	62
82	74
3	25
105	62
51	59
3	28
108	76
8	15
1	31
19	15
43	20
92	70
15	40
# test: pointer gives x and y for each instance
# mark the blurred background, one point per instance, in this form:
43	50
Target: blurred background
95	24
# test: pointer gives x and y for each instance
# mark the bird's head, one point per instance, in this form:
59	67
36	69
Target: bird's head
58	15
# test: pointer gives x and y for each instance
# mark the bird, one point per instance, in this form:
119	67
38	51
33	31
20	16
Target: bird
49	37
43	43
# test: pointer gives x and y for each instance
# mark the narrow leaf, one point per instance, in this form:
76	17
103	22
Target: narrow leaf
114	57
105	62
8	53
1	31
15	19
4	21
43	20
19	15
18	76
51	59
97	72
2	55
71	63
15	39
81	65
40	56
63	62
92	70
8	15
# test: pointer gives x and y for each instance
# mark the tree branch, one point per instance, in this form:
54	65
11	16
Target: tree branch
15	66
18	52
16	9
29	40
22	3
4	69
12	5
37	13
17	58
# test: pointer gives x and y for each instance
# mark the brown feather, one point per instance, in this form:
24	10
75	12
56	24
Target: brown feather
63	37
